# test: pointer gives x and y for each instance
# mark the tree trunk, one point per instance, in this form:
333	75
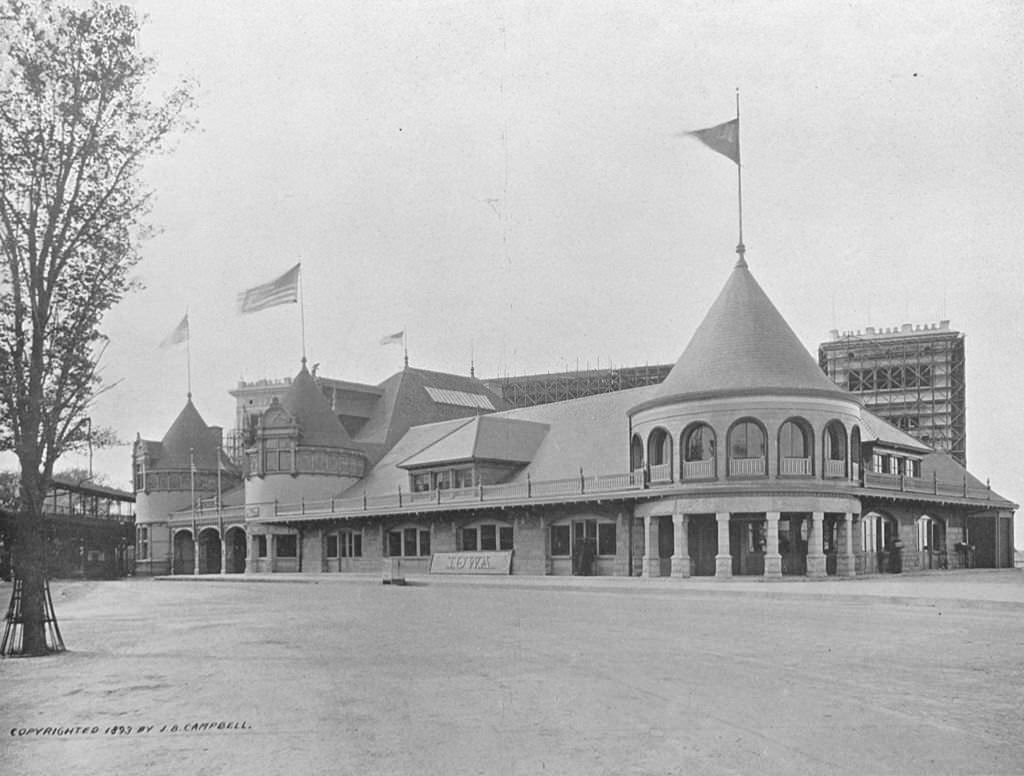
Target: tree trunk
30	568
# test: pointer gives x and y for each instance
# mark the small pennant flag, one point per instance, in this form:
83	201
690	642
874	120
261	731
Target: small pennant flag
282	290
393	339
724	138
179	335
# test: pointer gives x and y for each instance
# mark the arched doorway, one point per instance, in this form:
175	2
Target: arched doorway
880	542
184	553
234	542
209	551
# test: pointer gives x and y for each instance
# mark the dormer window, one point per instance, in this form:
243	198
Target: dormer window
441	479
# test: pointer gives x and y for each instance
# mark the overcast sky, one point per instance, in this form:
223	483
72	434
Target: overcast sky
507	179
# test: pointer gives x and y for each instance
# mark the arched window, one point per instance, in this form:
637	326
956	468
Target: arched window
835	449
659	455
747	444
636	453
795	448
698	452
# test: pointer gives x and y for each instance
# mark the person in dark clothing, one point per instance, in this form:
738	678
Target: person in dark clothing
587	557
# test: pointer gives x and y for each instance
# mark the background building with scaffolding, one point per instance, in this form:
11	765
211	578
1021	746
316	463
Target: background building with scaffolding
913	376
530	390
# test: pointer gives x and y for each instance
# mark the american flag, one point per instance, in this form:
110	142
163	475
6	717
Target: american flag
282	290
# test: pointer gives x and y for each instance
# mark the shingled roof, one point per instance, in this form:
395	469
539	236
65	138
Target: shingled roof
743	346
483	438
189	440
416	396
306	403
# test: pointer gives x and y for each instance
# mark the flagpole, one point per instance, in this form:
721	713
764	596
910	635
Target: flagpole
302	314
188	354
741	249
219	467
192	489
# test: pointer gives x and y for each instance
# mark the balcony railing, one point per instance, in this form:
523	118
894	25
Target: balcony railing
933	486
661	473
699	470
746	467
835	468
795	466
528	490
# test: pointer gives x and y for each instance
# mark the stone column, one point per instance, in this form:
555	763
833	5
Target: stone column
681	554
249	552
772	558
652	563
223	554
846	562
195	553
723	560
171	569
815	555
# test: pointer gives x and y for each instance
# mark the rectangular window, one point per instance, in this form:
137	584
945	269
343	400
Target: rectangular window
286	546
395	544
559	540
351	544
420	483
261	545
915	468
143	542
409	542
424	542
505	537
443	480
469	539
488	537
270	461
463	478
332	545
606	539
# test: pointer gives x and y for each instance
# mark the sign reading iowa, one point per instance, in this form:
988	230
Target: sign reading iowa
497	562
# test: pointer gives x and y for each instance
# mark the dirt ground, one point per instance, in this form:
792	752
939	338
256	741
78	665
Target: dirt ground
905	676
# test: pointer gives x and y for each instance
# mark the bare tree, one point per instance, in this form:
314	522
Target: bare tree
75	128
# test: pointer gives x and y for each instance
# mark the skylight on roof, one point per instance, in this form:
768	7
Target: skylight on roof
460	398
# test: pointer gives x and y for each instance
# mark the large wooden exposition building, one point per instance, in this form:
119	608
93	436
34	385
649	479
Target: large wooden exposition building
746	460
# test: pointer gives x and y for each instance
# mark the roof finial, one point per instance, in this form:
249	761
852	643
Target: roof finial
741	251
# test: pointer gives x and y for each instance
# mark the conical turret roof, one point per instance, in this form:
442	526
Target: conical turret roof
306	403
188	436
743	346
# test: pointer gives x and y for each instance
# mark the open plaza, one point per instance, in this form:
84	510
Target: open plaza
339	674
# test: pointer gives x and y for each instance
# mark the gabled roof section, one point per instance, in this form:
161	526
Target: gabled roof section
946	469
590	433
306	403
413	397
880	431
484	438
189	440
743	346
